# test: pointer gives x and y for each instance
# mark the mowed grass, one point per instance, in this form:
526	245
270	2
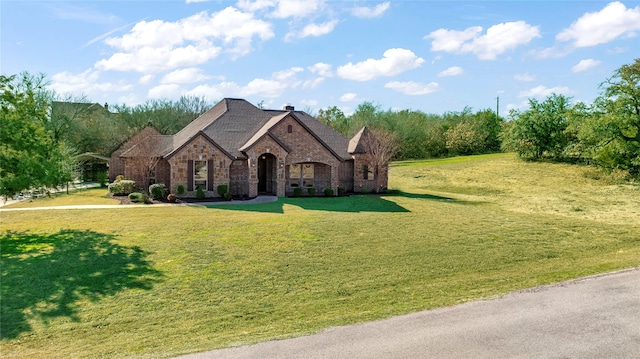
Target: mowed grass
163	281
88	196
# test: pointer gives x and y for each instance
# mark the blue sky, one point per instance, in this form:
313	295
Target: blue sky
432	56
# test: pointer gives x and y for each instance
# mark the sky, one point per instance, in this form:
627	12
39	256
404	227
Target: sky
430	56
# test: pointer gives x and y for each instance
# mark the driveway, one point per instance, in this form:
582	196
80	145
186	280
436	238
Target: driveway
592	317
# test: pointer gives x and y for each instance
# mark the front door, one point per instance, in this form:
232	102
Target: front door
266	174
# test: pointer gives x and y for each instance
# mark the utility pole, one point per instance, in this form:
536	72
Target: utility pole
498	108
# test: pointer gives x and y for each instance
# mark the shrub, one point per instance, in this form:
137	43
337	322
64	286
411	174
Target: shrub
119	178
102	178
222	190
328	192
180	189
128	186
341	191
311	191
116	188
227	196
137	197
158	191
297	192
171	197
199	193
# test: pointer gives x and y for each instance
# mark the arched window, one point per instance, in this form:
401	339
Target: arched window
289	129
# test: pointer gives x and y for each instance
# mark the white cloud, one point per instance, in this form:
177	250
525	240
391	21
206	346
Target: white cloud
393	62
145	80
451	71
311	84
86	83
542	91
413	88
321	69
367	13
524	77
154	46
594	28
184	76
296	8
348	97
252	6
165	91
585	65
498	39
268	88
312	30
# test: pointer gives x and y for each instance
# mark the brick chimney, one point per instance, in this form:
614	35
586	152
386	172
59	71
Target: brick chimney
288	107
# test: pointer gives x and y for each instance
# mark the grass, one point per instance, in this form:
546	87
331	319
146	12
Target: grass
79	196
163	281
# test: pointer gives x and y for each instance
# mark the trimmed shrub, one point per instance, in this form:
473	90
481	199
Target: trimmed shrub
158	191
328	192
137	197
199	193
227	196
180	189
128	186
311	191
118	178
222	190
341	191
171	197
297	192
116	189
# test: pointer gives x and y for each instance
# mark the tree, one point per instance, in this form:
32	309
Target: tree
335	118
29	155
612	133
539	131
380	146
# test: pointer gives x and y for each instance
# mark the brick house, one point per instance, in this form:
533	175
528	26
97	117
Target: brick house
253	151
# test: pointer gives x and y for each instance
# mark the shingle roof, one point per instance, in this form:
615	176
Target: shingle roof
234	124
355	144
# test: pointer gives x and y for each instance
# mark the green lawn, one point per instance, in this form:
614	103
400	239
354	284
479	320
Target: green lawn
162	281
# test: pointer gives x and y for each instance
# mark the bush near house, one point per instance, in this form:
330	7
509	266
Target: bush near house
137	197
328	192
297	192
311	191
158	191
200	193
180	189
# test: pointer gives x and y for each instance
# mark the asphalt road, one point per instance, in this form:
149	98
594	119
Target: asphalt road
593	317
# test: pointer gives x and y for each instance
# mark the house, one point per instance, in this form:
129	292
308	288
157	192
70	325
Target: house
251	150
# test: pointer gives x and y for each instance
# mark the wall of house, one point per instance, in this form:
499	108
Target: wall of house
362	185
266	145
345	173
239	178
199	148
304	148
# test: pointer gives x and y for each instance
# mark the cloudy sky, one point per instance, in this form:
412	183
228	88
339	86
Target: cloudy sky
432	56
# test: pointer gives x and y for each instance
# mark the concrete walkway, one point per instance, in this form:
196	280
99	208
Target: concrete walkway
259	199
593	317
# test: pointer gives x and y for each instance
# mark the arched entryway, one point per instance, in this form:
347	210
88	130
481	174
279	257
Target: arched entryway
267	174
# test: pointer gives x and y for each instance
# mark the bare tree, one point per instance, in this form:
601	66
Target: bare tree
380	146
143	158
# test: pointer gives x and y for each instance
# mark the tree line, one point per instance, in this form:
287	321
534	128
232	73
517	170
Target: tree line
42	132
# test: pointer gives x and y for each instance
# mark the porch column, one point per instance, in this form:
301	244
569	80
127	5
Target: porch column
335	178
253	176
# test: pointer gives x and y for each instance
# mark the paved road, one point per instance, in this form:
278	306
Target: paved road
593	317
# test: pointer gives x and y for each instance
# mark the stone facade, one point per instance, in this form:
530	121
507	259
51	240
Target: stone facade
199	148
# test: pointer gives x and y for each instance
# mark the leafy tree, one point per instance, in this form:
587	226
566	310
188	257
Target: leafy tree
29	155
380	147
612	133
539	131
334	117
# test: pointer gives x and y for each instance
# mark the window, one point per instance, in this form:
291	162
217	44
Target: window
294	175
368	172
200	175
307	175
301	175
289	129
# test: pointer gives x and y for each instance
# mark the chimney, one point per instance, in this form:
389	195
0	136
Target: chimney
288	107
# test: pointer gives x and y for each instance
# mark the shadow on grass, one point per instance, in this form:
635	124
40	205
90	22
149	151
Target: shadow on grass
352	204
45	276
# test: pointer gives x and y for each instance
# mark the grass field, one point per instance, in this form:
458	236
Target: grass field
163	281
